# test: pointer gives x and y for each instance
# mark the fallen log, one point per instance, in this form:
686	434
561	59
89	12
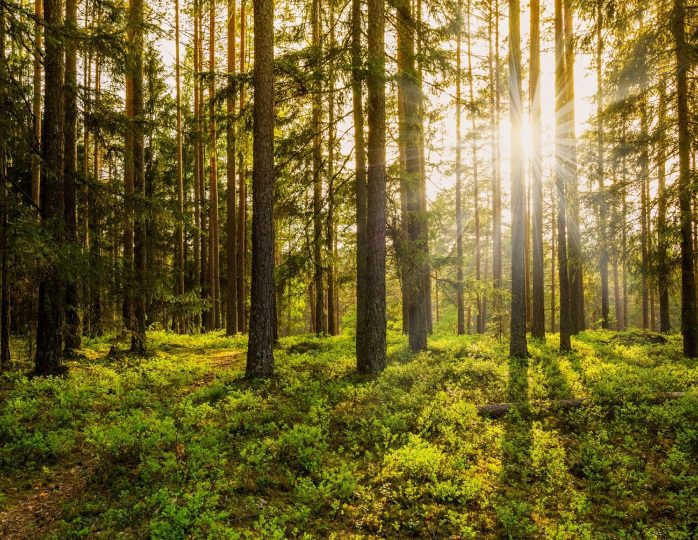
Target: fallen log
497	410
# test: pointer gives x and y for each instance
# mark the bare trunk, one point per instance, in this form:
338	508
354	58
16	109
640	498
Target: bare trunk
460	306
561	173
373	353
361	186
260	353
538	292
231	314
52	285
517	344
689	324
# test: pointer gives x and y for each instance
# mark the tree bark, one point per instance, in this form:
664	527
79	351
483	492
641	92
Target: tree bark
72	333
231	314
538	292
517	344
317	178
689	322
460	305
574	240
213	234
36	104
373	355
197	159
361	194
242	196
480	323
603	259
663	263
52	285
179	251
561	173
138	343
260	354
415	253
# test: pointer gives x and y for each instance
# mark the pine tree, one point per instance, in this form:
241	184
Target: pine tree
260	354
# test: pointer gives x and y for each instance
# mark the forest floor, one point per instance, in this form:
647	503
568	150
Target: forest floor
180	445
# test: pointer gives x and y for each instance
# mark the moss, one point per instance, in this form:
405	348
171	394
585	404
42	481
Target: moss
180	444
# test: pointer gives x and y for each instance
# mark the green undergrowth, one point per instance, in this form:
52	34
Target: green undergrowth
180	445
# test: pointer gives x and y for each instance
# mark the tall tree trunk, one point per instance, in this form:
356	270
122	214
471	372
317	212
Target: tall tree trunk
624	233
72	333
242	196
4	278
373	353
574	240
689	323
663	263
517	344
538	292
260	353
424	204
213	235
561	174
197	158
553	251
476	186
460	305
494	67
330	236
644	214
52	286
92	237
138	127
179	251
231	315
603	259
36	103
203	219
416	256
128	293
361	193
317	178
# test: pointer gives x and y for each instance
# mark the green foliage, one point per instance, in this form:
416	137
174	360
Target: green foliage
181	445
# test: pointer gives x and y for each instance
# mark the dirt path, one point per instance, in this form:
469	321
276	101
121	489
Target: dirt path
32	511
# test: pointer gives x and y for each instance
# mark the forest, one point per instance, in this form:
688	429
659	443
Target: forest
349	269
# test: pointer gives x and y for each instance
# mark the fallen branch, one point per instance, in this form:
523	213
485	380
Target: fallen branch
497	410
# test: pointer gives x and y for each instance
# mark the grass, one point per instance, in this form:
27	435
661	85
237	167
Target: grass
180	445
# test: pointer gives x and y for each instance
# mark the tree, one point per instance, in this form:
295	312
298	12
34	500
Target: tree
317	178
231	324
242	196
460	306
561	174
663	263
179	250
415	255
603	262
689	321
36	104
49	334
72	306
373	353
476	185
137	126
361	193
260	353
213	235
538	296
574	239
517	344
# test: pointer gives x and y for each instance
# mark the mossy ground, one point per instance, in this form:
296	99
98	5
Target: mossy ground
180	445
